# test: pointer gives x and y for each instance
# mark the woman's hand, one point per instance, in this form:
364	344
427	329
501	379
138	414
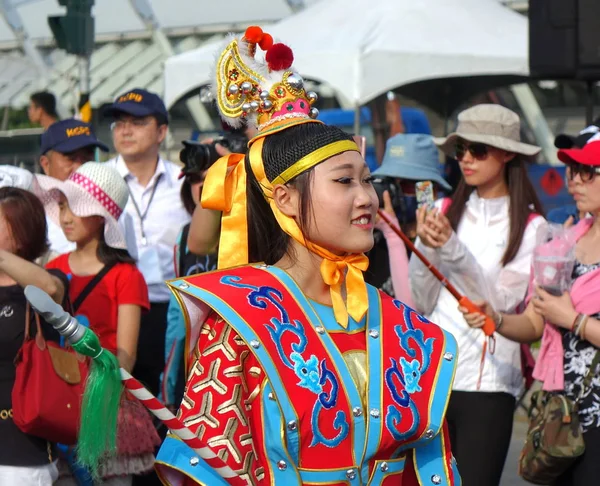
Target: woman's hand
477	319
388	209
433	228
222	151
440	225
556	310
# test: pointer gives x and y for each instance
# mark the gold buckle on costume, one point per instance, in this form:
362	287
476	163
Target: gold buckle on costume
6	414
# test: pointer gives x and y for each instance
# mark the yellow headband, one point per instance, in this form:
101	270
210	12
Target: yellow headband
225	190
309	161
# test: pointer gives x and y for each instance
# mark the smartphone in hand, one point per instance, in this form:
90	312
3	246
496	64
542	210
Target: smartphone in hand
424	194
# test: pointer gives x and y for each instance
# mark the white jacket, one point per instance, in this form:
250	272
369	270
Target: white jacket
471	260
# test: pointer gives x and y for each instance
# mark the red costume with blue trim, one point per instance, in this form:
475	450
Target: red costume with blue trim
287	397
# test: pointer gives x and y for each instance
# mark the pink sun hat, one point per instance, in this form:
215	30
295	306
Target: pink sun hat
95	189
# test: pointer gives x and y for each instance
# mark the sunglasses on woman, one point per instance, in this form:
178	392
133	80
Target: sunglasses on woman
479	151
587	173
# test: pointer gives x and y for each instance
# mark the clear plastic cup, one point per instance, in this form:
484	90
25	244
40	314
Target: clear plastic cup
554	259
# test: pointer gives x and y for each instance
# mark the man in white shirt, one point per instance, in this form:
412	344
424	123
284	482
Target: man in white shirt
139	127
65	145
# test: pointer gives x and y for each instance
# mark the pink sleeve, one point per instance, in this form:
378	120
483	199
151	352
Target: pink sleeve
398	263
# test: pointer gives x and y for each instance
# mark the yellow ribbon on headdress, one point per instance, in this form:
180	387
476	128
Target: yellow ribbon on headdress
225	190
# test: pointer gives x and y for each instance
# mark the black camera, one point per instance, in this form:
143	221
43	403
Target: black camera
199	156
404	206
382	184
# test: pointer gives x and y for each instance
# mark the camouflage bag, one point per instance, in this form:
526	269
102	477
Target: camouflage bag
554	439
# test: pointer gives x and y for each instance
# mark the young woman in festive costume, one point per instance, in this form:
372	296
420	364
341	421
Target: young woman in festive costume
299	372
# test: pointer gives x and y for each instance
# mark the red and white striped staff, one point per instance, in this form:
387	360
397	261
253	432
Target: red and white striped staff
86	342
177	428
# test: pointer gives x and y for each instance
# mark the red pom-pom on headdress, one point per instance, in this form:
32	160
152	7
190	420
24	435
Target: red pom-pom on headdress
253	34
266	42
279	57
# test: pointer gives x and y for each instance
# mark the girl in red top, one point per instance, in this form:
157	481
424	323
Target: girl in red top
107	291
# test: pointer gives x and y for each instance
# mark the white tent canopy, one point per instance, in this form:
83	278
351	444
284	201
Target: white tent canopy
363	48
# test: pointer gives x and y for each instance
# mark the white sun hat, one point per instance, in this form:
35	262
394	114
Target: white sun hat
95	189
11	176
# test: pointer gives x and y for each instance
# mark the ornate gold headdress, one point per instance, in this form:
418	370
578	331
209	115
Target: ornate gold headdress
269	94
272	96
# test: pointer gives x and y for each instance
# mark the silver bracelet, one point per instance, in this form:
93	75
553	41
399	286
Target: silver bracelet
499	320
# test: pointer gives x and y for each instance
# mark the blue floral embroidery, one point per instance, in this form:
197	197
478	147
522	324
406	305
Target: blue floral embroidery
312	374
277	331
308	372
412	374
403	381
340	424
328	401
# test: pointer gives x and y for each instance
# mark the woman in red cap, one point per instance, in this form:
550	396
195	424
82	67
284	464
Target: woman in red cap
569	324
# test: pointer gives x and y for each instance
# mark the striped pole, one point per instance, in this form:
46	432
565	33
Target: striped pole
177	428
86	342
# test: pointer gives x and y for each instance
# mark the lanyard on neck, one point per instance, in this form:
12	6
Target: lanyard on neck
143	215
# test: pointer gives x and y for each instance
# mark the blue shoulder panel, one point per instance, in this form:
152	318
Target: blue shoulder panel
177	456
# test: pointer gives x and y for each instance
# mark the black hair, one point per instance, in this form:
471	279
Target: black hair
523	200
186	196
46	101
267	242
109	255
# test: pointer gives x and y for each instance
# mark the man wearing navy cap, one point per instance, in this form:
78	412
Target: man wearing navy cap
66	145
139	126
